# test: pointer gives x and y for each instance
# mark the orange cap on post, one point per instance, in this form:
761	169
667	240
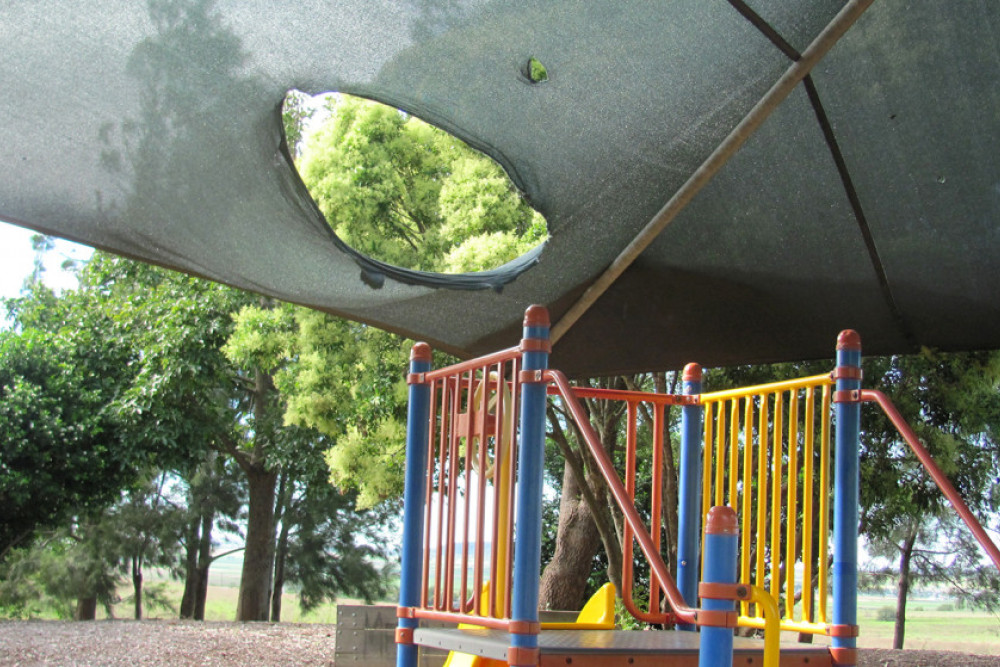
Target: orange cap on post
849	339
722	521
420	352
536	316
692	373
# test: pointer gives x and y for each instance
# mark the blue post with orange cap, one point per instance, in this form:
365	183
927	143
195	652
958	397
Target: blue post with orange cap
417	430
846	482
689	510
721	544
530	469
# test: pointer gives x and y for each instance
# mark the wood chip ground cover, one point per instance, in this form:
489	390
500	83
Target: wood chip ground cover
28	643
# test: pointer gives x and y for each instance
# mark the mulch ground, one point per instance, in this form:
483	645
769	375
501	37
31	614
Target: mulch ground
223	644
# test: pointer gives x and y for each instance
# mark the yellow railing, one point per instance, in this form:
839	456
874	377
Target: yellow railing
767	455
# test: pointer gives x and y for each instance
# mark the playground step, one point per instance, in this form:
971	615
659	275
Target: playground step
584	648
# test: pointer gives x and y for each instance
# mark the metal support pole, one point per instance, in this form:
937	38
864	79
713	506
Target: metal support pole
417	429
689	510
721	543
528	511
845	503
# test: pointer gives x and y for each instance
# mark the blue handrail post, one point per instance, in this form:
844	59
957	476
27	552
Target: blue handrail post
689	510
417	430
845	513
528	510
721	544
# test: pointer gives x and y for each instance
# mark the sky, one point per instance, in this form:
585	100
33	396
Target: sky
16	258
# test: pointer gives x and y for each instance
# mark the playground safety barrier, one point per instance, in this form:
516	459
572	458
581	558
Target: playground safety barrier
759	460
766	454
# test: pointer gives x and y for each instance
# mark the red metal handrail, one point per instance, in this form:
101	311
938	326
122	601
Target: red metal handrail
568	394
870	395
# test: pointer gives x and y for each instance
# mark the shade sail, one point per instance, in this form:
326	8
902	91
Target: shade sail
869	198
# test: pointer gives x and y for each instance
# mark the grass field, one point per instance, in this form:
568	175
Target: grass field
931	624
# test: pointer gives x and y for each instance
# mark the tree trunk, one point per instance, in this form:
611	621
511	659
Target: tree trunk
906	553
669	499
281	549
564	579
190	571
137	588
204	562
86	609
255	581
279	576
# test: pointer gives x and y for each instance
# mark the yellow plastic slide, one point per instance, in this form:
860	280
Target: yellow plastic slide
597	614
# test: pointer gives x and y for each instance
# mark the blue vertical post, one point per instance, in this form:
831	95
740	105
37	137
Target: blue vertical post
721	544
845	503
528	510
689	510
417	425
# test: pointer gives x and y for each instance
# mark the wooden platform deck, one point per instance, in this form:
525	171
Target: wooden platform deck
587	648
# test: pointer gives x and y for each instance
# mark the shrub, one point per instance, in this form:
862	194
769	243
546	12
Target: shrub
885	614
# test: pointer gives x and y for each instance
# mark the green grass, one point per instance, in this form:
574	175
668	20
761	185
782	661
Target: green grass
931	624
221	605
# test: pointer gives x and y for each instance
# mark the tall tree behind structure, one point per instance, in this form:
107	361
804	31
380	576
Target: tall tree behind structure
951	402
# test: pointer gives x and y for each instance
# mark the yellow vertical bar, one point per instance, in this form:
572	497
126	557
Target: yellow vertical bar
808	462
762	450
747	495
734	452
776	460
720	453
792	518
824	501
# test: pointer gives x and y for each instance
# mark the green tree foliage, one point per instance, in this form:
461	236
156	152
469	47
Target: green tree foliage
401	191
952	403
70	571
61	443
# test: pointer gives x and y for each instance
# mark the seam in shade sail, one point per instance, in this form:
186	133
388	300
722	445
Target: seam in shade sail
833	145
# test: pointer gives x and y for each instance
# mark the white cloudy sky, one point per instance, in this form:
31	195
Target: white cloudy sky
16	258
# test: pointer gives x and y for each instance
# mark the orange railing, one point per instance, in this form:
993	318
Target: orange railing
624	495
935	472
469	503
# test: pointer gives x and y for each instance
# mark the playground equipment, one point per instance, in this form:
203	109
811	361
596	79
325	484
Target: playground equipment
758	466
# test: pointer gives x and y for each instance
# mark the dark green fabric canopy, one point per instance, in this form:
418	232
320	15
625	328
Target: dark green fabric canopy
868	199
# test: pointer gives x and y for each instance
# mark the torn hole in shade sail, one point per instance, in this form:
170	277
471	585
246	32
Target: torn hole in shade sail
407	199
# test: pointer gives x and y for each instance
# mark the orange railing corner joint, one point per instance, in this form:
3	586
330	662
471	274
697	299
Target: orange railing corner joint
842	631
718	591
525	627
536	345
847	373
847	396
716	619
531	377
